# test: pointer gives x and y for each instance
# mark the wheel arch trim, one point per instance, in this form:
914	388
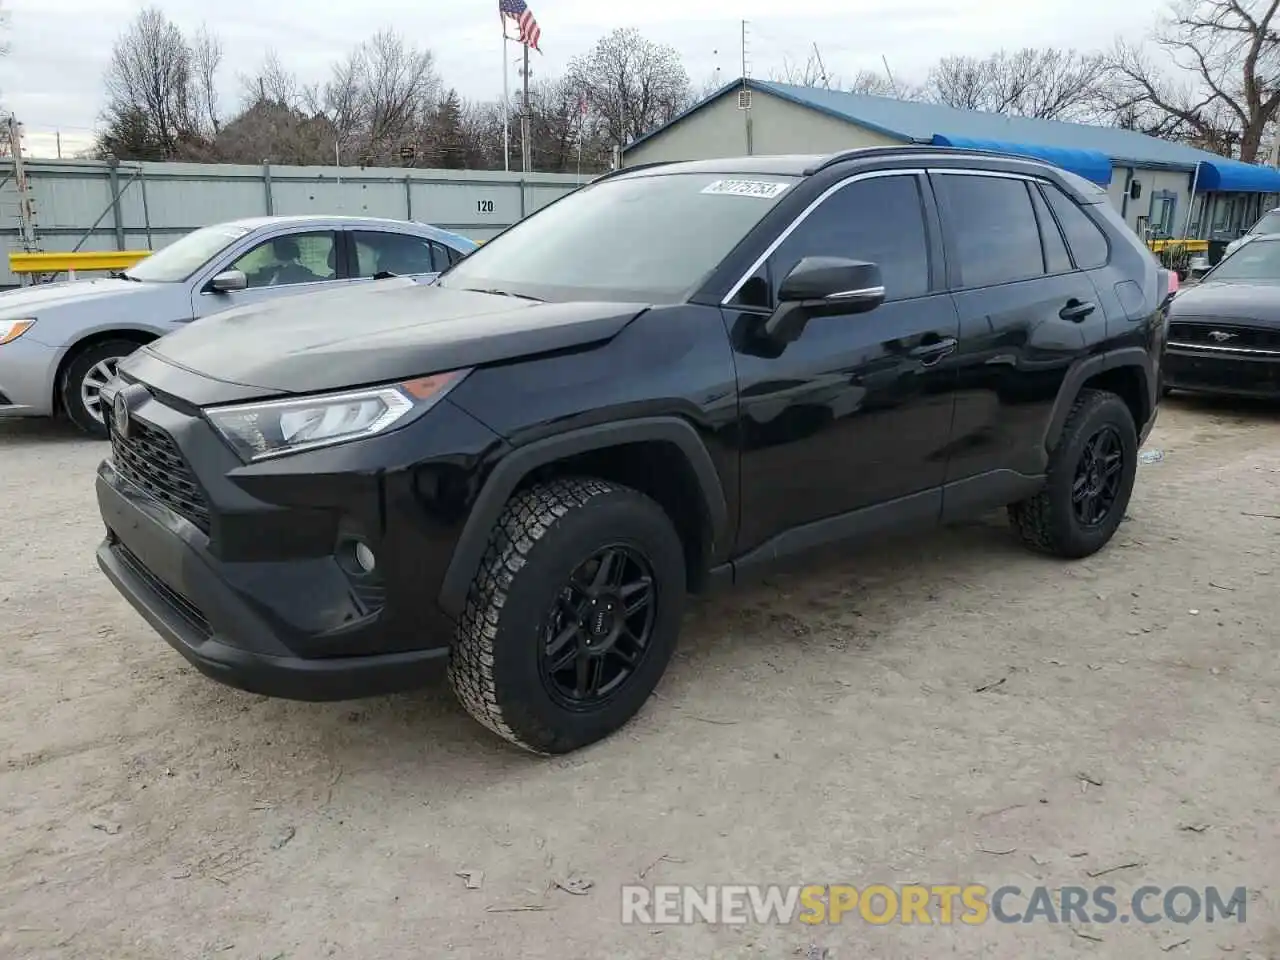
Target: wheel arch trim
1080	372
515	466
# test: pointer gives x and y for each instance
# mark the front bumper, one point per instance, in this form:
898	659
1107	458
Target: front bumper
1225	372
160	572
239	568
27	372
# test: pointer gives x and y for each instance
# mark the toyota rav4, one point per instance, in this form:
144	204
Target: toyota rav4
667	380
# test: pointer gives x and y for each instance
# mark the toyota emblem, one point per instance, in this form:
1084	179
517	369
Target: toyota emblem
120	414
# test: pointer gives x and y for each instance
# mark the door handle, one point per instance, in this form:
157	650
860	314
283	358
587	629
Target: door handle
930	353
1076	310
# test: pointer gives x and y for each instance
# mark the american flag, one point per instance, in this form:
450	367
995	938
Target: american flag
519	11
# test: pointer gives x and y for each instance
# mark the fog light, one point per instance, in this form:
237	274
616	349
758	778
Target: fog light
364	558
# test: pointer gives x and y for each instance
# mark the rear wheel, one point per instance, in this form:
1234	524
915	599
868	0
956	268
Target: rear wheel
1090	480
83	379
572	617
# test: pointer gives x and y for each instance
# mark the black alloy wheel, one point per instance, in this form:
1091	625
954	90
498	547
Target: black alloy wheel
599	629
1096	485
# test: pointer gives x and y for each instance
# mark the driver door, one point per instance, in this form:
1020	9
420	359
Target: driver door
305	261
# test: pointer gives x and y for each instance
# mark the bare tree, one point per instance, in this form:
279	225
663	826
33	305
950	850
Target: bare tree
272	83
1050	84
631	85
206	59
151	82
380	96
814	73
1227	87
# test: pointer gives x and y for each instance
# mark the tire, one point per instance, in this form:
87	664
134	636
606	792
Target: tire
1049	521
88	370
497	667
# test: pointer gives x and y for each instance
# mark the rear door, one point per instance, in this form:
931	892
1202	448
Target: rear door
1025	309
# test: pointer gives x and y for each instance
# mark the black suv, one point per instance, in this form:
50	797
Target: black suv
666	380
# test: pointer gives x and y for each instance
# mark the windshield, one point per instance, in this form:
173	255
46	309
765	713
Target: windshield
650	239
1268	224
184	257
1255	261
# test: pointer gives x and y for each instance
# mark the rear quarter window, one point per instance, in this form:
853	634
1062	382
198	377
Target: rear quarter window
1089	246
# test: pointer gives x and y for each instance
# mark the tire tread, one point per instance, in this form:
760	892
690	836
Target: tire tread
523	522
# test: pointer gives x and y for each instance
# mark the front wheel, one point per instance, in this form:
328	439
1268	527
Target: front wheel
1090	479
572	617
82	382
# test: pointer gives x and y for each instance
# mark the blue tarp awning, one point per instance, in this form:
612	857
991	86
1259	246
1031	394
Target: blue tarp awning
1232	176
1090	164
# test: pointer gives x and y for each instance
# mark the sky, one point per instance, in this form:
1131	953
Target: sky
58	49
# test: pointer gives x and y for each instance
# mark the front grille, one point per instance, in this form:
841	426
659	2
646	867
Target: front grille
1201	333
180	604
150	459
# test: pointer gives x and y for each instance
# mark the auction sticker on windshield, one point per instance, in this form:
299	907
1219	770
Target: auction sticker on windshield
764	189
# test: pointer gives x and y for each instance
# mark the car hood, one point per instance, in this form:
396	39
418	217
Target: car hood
37	299
1225	300
392	330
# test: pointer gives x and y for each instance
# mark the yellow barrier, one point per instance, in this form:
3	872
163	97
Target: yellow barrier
1190	246
69	263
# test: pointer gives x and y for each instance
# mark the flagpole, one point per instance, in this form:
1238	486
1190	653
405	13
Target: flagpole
524	116
506	104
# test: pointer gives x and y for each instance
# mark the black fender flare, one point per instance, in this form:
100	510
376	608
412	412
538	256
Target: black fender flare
516	465
1089	367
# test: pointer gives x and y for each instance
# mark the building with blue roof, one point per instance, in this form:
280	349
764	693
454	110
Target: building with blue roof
1161	188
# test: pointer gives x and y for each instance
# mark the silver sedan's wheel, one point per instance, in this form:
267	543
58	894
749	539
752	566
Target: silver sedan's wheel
84	376
93	381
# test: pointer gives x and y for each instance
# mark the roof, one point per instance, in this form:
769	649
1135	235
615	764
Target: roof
781	165
1082	145
406	226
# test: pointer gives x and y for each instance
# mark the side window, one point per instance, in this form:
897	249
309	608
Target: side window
1056	259
994	226
289	259
1087	242
396	253
880	220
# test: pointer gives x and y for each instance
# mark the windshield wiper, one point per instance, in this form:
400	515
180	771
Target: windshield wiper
121	275
504	293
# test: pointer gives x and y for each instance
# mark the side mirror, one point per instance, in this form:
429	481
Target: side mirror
229	280
821	286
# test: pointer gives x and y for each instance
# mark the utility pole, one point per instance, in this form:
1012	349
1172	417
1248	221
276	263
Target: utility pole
893	84
744	96
26	211
822	70
58	139
524	118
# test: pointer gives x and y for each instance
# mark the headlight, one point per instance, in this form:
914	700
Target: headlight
11	330
273	428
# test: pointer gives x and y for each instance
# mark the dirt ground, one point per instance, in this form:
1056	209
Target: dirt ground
823	727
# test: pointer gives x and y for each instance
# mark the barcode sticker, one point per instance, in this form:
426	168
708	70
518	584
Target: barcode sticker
764	189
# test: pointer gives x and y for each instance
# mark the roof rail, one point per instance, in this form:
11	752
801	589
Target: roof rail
910	150
638	166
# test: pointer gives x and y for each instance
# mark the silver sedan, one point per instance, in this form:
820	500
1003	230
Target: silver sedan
60	342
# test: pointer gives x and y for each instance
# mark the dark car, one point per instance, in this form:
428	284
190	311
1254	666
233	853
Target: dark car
1224	332
667	380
